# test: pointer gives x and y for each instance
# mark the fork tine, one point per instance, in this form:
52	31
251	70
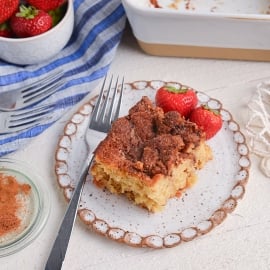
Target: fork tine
35	90
19	124
26	125
47	80
25	121
97	107
117	111
106	101
28	121
110	114
40	94
100	115
33	93
33	111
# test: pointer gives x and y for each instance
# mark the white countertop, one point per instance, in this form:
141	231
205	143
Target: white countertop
241	242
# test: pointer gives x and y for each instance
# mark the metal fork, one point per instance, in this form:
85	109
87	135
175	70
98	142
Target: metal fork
11	122
103	115
33	93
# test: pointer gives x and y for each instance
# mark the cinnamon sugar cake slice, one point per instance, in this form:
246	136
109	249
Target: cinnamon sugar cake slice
150	156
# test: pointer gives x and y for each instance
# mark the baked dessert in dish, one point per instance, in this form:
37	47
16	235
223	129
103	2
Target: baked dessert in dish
150	156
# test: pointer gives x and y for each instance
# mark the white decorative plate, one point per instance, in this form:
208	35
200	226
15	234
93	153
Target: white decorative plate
221	183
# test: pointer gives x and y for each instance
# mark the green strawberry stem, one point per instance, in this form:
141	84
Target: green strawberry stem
215	112
28	12
175	90
57	14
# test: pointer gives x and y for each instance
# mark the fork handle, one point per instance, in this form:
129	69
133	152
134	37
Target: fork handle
58	252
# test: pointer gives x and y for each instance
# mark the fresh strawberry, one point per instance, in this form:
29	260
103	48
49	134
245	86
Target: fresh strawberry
46	5
207	119
30	21
182	100
7	8
5	30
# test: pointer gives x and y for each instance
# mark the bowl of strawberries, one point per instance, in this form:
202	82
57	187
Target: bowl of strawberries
33	31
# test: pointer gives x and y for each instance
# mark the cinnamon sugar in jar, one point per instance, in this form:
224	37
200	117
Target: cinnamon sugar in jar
14	200
24	205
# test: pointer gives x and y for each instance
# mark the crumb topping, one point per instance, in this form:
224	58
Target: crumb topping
148	141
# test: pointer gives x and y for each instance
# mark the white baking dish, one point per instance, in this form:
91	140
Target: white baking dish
238	29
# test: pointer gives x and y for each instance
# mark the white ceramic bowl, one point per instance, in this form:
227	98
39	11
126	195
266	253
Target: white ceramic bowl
33	50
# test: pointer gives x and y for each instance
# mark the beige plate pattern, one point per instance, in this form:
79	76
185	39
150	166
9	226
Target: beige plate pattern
221	183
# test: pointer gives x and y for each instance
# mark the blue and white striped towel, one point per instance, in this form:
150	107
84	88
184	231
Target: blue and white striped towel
86	59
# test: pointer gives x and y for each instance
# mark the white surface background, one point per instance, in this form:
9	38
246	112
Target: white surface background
242	241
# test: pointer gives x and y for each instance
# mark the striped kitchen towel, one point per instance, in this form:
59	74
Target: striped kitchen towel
86	59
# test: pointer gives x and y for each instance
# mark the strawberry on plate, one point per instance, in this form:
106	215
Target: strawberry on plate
170	98
206	119
30	21
46	5
7	8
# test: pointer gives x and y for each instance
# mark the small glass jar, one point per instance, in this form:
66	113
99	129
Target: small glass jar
34	210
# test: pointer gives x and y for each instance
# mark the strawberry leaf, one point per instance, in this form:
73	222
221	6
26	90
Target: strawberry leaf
214	111
27	12
175	90
57	14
